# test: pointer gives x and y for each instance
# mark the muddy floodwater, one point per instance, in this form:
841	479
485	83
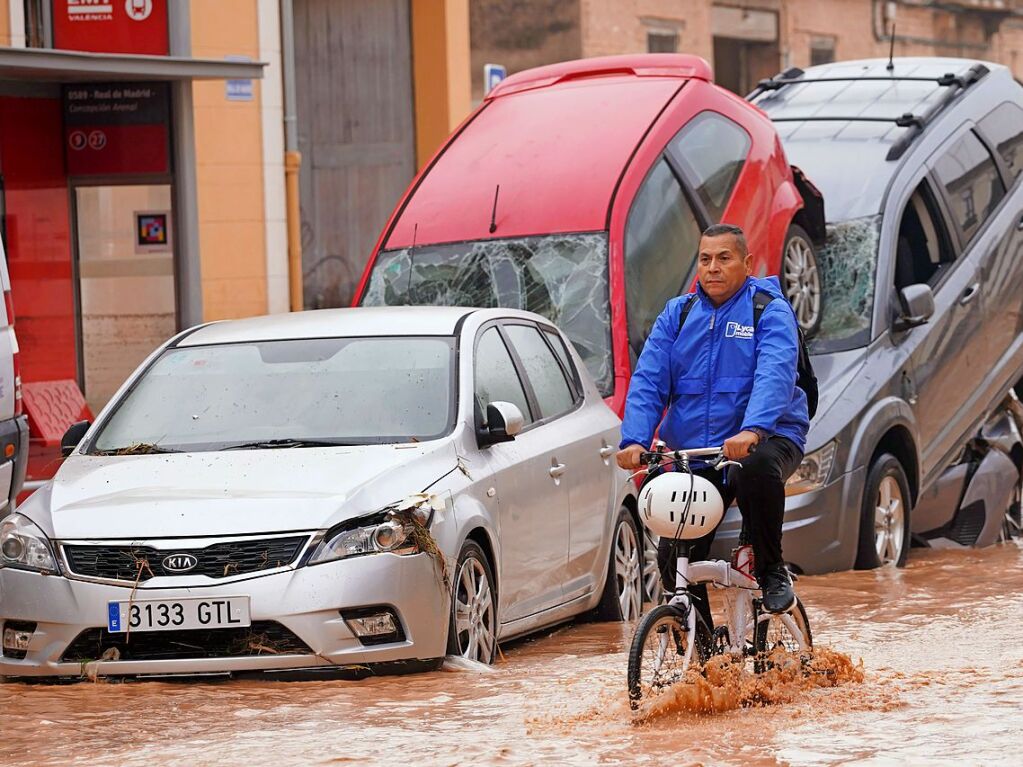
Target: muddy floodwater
941	644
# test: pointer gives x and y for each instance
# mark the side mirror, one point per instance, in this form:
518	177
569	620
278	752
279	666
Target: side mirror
73	436
917	306
504	421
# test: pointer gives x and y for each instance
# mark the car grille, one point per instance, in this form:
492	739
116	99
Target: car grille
261	638
221	560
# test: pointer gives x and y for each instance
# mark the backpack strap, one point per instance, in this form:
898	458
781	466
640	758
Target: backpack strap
760	302
685	312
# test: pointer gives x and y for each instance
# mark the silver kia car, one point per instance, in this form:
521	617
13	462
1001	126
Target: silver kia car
370	488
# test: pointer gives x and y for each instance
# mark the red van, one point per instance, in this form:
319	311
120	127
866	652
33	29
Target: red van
579	191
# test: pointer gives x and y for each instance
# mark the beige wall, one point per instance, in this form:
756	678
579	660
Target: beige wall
229	167
5	22
440	71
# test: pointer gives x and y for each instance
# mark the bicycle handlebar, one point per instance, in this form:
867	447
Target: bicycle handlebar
648	458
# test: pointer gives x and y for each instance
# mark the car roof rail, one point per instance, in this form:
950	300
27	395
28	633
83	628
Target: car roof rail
916	123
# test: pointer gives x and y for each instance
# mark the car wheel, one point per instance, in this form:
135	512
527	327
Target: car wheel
801	279
622	599
884	521
472	629
652	586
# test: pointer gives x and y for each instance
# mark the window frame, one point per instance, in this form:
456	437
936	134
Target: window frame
479	416
960	244
947	231
1008	181
688	182
695	207
578	397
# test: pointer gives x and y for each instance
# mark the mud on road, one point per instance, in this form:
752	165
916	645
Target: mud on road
941	644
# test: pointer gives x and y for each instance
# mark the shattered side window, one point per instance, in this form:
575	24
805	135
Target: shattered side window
562	277
848	263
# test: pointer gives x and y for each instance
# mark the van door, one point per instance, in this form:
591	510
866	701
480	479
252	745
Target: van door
1002	129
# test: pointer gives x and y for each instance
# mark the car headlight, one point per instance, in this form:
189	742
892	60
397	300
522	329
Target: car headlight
387	531
24	546
813	472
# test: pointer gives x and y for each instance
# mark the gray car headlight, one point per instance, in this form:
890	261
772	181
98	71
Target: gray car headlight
24	546
813	472
375	534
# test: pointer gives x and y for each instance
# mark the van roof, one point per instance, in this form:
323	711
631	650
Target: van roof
555	139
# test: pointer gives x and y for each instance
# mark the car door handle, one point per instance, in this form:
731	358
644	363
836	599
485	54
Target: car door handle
969	294
556	470
1019	225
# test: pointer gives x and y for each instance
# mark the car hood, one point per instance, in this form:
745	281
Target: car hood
840	401
233	492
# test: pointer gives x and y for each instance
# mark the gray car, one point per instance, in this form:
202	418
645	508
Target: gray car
918	162
343	488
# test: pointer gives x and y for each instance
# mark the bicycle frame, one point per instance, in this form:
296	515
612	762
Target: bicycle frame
741	613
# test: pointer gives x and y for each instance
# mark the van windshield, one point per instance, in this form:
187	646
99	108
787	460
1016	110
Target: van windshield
562	277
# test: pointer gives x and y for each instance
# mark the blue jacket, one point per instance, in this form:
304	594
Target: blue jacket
715	378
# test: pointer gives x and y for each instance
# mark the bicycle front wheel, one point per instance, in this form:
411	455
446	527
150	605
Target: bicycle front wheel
660	647
775	634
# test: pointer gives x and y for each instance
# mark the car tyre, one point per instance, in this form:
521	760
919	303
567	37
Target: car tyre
622	599
472	621
884	520
802	281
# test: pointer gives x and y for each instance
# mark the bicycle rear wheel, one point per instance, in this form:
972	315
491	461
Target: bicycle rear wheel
657	658
775	635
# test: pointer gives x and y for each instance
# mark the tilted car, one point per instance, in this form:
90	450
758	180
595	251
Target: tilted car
922	328
579	191
341	488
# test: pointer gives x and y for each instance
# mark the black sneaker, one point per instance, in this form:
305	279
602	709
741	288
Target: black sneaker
776	586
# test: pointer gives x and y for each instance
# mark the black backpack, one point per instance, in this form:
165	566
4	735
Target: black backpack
805	378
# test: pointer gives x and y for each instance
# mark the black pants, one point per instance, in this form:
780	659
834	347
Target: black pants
759	488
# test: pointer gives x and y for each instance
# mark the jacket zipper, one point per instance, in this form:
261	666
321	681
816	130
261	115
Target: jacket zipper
710	378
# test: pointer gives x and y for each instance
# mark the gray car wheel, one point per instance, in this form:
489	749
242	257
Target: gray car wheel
472	631
884	522
622	599
652	586
801	279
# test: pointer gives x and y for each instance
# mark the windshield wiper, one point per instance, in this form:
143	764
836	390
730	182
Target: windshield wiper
271	444
139	448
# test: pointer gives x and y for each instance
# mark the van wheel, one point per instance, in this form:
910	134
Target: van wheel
884	520
801	279
622	599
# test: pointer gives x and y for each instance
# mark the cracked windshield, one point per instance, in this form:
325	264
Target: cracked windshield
351	411
561	277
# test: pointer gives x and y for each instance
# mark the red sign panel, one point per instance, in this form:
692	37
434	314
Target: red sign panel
111	26
116	128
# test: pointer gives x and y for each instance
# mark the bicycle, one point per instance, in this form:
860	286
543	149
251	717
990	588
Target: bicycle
671	635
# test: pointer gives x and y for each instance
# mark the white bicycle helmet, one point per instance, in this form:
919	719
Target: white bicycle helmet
663	501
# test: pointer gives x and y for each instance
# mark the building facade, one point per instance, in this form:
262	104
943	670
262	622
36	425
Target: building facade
745	40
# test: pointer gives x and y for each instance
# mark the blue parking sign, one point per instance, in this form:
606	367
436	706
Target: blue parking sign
492	75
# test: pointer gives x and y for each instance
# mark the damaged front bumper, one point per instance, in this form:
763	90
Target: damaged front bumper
298	621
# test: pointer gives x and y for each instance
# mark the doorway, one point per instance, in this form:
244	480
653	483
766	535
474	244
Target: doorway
126	285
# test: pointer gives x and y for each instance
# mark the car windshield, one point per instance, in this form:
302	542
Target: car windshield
848	263
291	393
560	276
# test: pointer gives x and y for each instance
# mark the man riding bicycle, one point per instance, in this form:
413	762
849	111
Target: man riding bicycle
719	375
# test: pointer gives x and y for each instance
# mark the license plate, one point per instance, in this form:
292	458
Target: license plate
177	614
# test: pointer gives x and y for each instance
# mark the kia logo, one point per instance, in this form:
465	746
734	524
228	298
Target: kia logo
179	563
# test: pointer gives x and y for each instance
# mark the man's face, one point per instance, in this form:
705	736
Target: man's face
721	268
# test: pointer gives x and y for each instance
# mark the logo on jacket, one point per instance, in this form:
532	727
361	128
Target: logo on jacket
735	330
